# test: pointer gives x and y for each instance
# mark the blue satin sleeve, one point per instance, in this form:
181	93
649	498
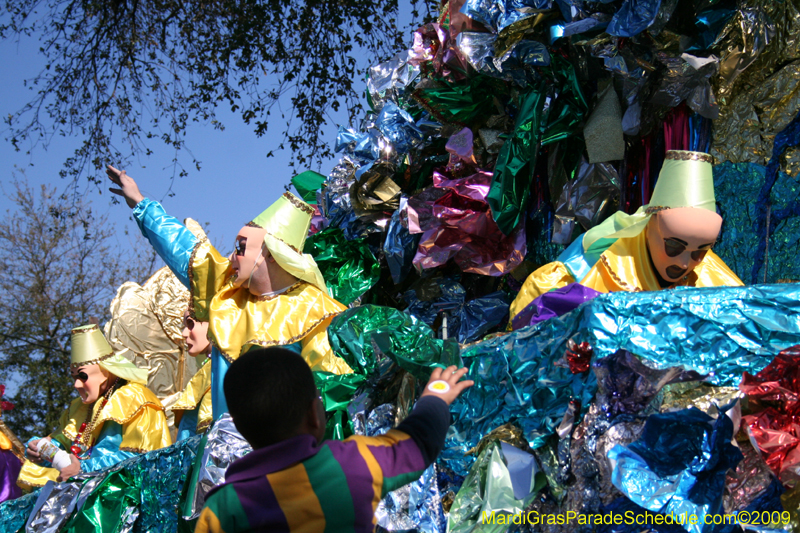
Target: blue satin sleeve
170	239
219	367
188	426
106	452
577	261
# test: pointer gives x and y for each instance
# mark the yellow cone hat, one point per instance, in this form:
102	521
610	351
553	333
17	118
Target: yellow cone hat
287	222
686	180
90	347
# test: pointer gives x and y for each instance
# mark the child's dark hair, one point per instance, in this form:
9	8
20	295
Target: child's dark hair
269	392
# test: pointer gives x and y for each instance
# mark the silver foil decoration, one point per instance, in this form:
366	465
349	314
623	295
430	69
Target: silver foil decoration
389	79
224	446
585	200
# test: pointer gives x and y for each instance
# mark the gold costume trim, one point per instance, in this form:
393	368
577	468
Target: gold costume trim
275	295
134	450
685	155
252	224
85	329
284	242
71	434
653	209
298	204
91	361
202	426
292	339
191	274
614	275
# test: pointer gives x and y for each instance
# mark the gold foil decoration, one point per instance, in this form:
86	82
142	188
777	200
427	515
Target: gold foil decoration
145	327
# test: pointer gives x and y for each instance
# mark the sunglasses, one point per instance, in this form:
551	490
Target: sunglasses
189	323
239	246
83	376
674	248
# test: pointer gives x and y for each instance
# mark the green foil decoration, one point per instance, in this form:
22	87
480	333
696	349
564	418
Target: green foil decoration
110	507
307	184
337	391
349	268
566	112
511	183
458	104
364	334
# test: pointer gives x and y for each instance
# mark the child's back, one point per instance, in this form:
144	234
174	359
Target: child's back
297	485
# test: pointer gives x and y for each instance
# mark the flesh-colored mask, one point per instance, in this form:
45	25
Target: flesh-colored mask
90	382
195	335
247	256
678	240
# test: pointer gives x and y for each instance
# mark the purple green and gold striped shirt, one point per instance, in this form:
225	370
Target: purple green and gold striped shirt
299	486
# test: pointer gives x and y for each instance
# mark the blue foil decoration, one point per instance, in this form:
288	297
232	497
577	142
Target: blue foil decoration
500	14
678	466
633	17
398	127
720	331
400	246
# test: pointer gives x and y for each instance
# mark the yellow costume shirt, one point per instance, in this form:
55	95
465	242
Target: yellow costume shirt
141	426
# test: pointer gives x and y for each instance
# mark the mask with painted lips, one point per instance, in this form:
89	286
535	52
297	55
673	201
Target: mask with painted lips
195	335
678	240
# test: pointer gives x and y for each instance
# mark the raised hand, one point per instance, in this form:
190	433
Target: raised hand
445	384
127	187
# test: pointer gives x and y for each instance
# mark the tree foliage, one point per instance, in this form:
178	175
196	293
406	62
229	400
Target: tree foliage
60	266
124	75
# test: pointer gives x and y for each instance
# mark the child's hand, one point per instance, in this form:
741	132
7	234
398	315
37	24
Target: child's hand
444	383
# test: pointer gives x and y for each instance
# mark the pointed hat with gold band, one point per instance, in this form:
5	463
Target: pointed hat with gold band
90	347
286	223
686	180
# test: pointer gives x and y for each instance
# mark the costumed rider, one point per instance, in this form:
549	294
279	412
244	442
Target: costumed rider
665	244
115	417
266	293
193	409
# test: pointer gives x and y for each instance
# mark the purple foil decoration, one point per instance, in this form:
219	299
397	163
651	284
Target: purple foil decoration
552	304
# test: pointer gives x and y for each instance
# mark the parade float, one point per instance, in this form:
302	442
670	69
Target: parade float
506	131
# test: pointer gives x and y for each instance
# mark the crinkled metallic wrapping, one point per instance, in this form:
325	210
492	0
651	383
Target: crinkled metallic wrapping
140	494
361	145
466	320
56	503
678	465
337	392
398	127
457	224
400	246
737	186
364	335
513	172
348	266
748	33
14	513
750	480
750	119
773	406
626	385
514	65
586	200
633	17
503	480
387	81
374	190
145	327
716	331
687	78
708	398
223	445
457	103
413	507
498	15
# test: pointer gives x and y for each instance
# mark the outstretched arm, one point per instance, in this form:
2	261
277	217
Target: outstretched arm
171	240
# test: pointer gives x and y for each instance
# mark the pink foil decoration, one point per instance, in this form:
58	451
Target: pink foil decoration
457	224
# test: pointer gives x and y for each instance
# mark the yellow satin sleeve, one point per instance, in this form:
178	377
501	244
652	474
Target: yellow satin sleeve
146	431
197	392
318	353
544	279
208	272
32	476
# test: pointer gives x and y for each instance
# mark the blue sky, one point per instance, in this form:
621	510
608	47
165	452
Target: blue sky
236	181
